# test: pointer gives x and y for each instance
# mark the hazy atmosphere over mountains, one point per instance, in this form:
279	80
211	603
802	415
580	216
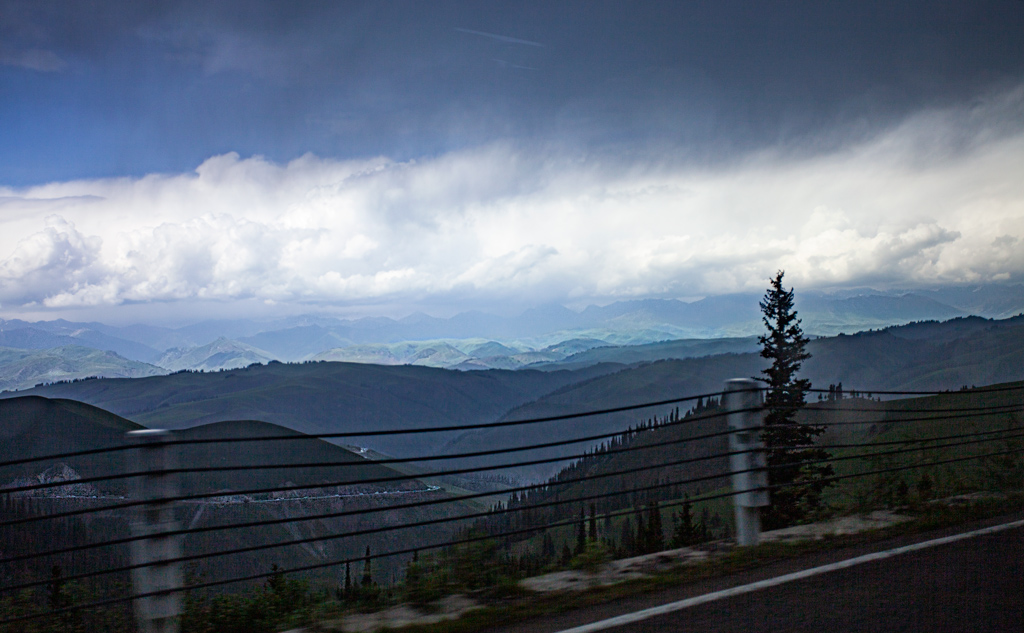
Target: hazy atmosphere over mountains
31	353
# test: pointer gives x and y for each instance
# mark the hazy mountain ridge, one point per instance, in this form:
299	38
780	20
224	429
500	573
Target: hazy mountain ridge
472	354
48	335
534	334
631	354
220	354
26	368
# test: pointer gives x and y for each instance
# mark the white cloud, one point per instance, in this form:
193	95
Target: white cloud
54	260
938	199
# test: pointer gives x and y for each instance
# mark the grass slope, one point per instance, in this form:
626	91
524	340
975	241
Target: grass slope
924	357
25	368
350	468
32	426
683	348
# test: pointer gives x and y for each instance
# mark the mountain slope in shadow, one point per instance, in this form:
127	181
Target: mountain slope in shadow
326	398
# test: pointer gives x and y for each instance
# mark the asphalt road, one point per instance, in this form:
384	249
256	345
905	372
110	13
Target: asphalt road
975	584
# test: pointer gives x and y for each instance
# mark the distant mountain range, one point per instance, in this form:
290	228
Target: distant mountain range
334	397
476	340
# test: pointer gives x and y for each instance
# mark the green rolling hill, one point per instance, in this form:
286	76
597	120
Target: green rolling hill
32	426
26	368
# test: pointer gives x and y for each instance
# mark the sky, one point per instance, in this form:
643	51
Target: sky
169	161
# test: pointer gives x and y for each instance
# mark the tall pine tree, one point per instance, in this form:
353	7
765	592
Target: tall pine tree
684	532
796	486
655	532
581	534
367	573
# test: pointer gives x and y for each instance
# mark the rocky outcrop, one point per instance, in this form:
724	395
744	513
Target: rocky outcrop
55	474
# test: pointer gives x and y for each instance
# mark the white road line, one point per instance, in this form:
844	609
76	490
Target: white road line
638	616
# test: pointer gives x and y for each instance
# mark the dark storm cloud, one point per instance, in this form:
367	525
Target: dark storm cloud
468	153
148	86
937	199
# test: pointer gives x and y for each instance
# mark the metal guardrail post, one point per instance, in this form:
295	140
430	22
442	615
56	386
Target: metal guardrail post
749	474
157	613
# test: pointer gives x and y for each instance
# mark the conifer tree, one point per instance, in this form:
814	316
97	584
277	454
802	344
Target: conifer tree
367	575
640	542
787	442
548	548
581	534
627	540
684	532
654	532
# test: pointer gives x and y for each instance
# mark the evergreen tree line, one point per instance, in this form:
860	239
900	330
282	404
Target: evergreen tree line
622	490
639	533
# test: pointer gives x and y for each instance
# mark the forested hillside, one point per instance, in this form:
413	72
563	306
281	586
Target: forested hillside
926	356
632	504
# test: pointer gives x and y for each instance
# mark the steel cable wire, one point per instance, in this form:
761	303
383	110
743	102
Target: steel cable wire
265	490
494	512
374	462
487	494
383	432
994	409
452	428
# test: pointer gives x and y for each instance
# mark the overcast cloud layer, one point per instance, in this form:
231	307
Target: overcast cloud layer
177	159
934	199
